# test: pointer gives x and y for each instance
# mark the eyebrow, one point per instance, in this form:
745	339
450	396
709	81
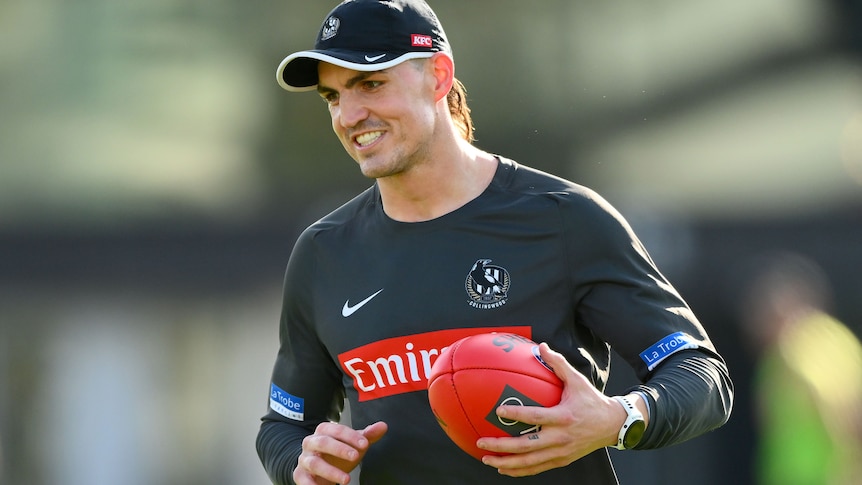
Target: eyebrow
353	81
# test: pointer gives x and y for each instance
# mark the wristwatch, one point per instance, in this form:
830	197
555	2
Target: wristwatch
633	428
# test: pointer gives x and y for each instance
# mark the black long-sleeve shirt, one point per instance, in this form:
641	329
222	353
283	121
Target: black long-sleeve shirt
369	302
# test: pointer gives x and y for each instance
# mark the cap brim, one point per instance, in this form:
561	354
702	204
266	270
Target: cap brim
298	71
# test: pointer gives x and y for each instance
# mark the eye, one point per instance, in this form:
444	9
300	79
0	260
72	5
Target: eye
330	97
327	94
371	84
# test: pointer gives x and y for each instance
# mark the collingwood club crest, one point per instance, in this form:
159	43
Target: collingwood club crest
330	28
487	285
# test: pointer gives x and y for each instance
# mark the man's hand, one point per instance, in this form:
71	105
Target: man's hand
333	451
584	421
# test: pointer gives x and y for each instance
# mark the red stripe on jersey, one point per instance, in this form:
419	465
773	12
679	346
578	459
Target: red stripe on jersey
402	364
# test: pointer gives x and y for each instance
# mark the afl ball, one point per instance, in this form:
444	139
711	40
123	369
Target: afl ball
476	374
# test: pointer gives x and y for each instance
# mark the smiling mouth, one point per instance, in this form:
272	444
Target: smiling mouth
366	139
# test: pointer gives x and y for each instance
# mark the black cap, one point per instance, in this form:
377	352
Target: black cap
366	35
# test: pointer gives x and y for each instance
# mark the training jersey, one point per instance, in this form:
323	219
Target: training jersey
369	302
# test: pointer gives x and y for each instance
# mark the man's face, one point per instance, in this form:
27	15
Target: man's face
385	119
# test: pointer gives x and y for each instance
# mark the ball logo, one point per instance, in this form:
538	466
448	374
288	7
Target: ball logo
538	356
508	341
512	397
510	401
487	285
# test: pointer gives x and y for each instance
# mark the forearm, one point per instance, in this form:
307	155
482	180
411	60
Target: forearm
689	395
279	446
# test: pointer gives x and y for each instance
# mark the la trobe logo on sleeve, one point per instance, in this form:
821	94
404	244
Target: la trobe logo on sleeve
286	404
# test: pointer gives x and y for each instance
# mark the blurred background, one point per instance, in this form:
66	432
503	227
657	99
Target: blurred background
153	179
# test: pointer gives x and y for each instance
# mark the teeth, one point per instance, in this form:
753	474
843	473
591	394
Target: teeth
367	138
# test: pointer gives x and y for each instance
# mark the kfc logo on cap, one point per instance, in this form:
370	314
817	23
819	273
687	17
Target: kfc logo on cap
419	40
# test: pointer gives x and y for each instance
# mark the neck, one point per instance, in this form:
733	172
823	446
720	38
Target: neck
441	184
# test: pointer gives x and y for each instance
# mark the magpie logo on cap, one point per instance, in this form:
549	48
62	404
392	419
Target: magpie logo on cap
330	28
366	35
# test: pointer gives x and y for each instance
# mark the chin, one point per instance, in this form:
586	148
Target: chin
372	170
375	168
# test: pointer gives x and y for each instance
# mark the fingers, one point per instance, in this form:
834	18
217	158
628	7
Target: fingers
302	475
313	470
333	451
524	467
516	445
527	455
547	436
336	440
324	460
535	415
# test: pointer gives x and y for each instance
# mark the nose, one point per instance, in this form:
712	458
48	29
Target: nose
350	111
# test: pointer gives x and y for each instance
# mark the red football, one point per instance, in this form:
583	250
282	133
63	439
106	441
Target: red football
476	374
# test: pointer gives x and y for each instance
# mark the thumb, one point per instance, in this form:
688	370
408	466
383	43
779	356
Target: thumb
373	432
561	367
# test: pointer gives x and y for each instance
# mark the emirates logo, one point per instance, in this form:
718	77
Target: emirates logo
402	364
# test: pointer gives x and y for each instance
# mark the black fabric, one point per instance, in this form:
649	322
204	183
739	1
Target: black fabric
367	34
578	278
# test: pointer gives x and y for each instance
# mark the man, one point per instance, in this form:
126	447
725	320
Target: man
808	371
376	289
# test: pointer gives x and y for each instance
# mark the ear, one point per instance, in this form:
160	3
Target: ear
444	74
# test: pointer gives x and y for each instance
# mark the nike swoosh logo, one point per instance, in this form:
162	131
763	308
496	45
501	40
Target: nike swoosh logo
348	310
372	59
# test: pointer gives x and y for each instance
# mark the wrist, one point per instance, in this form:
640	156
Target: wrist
643	406
632	428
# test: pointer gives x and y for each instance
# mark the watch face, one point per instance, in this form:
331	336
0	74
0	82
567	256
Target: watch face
634	434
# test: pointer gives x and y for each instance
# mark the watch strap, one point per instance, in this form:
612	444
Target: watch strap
633	415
